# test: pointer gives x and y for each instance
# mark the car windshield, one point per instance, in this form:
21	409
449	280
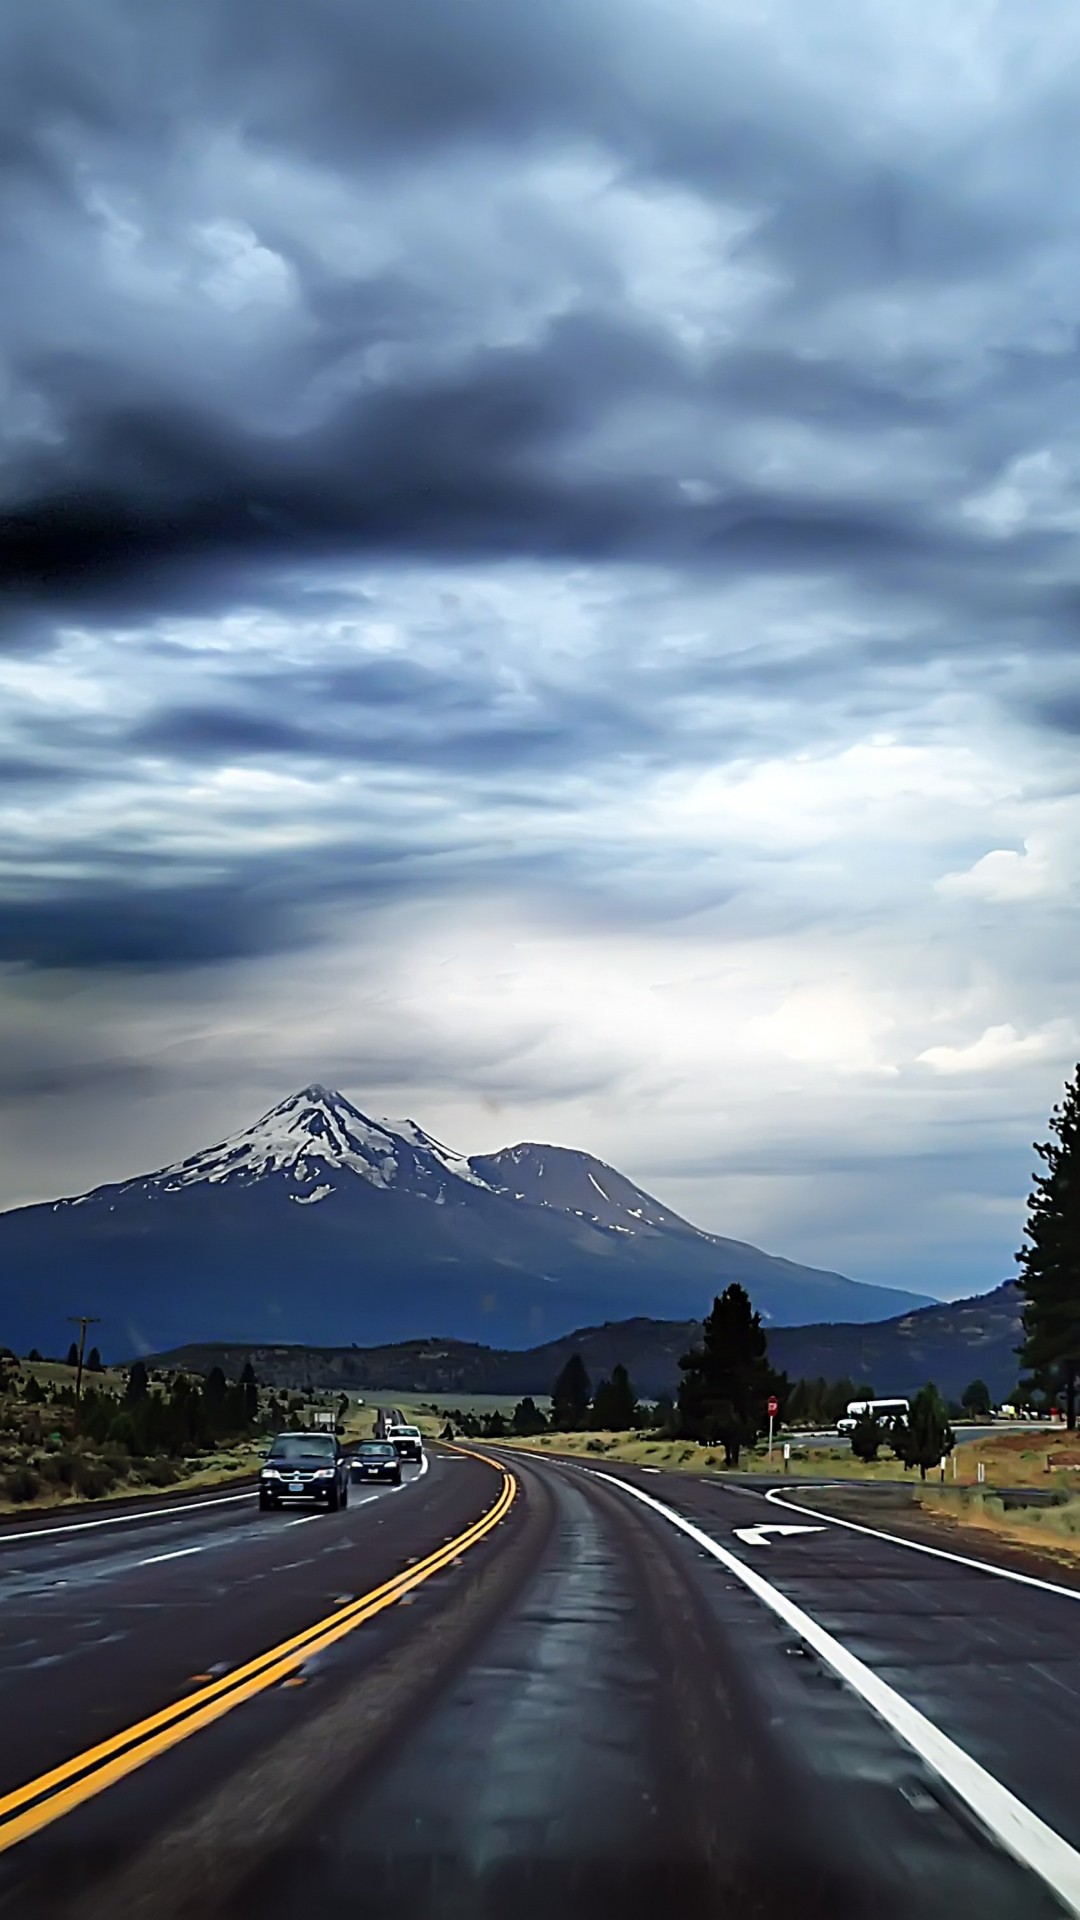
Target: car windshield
376	1450
304	1446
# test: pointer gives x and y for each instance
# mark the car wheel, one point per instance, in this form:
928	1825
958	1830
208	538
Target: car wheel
397	1478
333	1499
266	1500
345	1494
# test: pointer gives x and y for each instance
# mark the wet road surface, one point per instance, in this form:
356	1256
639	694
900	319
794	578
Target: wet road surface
589	1714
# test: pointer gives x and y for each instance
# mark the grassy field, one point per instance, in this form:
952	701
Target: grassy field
1010	1460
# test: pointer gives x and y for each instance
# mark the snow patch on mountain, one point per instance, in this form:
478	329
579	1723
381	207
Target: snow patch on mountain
305	1141
455	1163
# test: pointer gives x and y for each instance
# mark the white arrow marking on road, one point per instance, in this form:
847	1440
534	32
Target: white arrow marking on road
757	1536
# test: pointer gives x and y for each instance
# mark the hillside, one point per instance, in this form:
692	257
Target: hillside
950	1343
320	1224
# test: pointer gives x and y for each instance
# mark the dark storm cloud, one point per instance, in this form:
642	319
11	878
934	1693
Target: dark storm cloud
143	496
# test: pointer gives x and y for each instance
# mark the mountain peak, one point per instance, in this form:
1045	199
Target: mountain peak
577	1182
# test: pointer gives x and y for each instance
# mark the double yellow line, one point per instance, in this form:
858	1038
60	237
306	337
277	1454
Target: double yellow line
37	1804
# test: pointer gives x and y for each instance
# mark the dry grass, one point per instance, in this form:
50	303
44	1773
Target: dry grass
220	1469
681	1456
1054	1531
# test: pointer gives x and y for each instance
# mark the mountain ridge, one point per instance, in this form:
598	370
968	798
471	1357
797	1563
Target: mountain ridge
952	1343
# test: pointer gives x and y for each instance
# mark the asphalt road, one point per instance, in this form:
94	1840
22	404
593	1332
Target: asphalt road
592	1711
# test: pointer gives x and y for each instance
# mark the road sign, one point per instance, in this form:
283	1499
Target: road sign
774	1408
757	1536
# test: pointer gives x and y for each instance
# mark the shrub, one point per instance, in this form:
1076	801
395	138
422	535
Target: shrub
160	1472
92	1478
22	1483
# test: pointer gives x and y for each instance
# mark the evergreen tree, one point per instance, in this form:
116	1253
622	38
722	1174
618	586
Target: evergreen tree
727	1380
927	1436
495	1426
570	1396
214	1391
72	1356
527	1418
1050	1264
93	1362
137	1382
975	1398
866	1437
251	1393
33	1355
615	1403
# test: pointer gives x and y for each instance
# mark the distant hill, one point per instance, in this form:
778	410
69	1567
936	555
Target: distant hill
320	1224
951	1343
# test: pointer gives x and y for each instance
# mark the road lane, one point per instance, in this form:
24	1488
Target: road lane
992	1661
97	1630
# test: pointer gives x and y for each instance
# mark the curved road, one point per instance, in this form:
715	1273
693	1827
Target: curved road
617	1697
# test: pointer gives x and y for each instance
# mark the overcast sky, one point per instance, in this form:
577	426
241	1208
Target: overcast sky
540	587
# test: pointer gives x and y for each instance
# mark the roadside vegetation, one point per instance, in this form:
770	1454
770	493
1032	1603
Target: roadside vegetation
127	1431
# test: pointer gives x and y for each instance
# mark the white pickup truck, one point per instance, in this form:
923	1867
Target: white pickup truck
408	1442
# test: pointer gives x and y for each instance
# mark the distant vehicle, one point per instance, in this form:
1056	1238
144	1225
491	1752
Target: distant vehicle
891	1413
407	1441
305	1466
377	1460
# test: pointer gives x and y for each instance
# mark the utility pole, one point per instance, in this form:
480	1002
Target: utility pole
82	1321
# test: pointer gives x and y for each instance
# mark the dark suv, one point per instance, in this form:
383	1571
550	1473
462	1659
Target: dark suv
305	1466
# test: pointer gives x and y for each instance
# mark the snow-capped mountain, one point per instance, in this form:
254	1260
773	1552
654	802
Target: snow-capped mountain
319	1224
314	1140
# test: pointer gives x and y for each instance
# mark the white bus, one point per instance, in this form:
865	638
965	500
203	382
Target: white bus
891	1413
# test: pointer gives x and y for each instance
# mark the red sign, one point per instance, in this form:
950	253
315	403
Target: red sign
774	1408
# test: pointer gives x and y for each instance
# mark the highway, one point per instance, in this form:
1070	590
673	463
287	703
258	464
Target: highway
617	1691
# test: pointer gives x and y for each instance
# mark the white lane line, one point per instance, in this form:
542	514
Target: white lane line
920	1546
125	1519
304	1519
1012	1824
178	1553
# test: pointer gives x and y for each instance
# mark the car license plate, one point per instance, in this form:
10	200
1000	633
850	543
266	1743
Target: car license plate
296	1486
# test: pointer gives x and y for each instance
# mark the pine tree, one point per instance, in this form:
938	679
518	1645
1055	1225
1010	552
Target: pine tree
93	1362
1050	1264
72	1356
137	1382
866	1437
570	1396
727	1380
251	1393
975	1398
527	1417
615	1402
927	1436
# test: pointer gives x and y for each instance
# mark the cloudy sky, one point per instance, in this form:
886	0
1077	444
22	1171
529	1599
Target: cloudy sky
539	586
